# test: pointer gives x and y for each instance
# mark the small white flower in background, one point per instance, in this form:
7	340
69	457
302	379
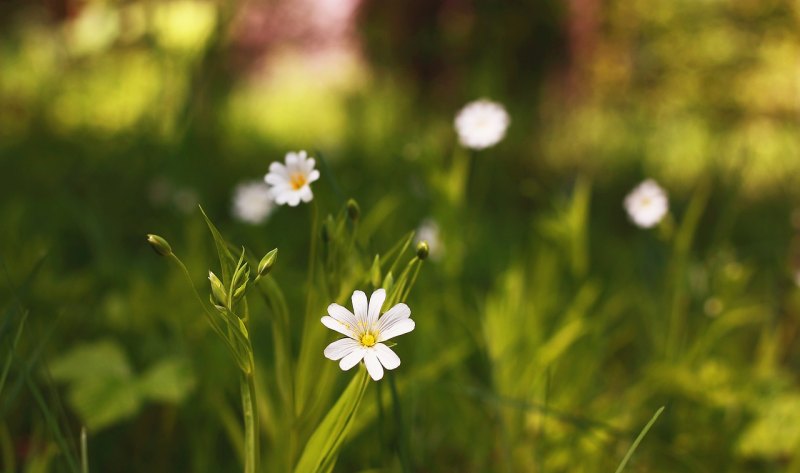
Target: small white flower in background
428	231
290	182
366	332
252	202
481	124
185	200
647	204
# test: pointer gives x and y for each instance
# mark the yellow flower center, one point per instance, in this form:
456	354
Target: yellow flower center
368	339
297	180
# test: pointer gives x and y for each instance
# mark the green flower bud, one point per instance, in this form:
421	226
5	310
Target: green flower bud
265	266
242	273
423	250
353	210
327	230
375	272
218	290
239	292
159	245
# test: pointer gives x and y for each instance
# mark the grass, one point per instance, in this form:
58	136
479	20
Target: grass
548	327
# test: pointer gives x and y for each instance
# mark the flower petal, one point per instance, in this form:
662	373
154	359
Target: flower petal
375	303
275	179
337	326
398	328
305	194
279	169
373	365
342	315
392	316
313	175
341	348
291	160
293	199
360	307
309	165
386	356
352	359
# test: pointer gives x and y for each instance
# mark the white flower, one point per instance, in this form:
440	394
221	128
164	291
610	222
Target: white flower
428	231
290	183
647	204
481	124
185	200
252	202
367	332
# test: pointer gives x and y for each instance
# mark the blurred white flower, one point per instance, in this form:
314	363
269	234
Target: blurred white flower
481	124
252	202
428	231
185	200
647	204
366	332
290	183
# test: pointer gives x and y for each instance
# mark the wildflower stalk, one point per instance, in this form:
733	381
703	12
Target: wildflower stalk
248	390
402	445
236	336
84	452
312	256
682	245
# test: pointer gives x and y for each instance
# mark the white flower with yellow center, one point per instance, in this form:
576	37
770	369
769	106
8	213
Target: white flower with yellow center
252	202
647	204
290	182
481	124
366	331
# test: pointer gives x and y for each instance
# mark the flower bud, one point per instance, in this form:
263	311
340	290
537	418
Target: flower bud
265	266
328	230
241	274
353	210
159	245
422	250
375	271
239	292
217	290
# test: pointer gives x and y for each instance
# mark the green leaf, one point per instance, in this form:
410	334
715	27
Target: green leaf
170	380
102	359
323	447
102	387
101	402
226	260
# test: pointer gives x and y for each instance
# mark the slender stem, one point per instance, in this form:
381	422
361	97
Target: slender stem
402	447
639	440
250	414
84	452
312	257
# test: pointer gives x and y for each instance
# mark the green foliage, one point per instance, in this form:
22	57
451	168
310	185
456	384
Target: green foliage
322	449
549	328
103	389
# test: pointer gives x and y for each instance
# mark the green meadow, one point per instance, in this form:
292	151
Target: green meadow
526	306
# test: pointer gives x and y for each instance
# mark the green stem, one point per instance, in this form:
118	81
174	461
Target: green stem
250	414
402	447
312	258
683	242
84	452
639	440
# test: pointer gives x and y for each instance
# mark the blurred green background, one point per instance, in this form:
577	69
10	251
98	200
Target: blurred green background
549	327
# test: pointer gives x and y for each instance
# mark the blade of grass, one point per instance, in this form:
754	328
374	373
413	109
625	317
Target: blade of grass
639	439
7	364
52	424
